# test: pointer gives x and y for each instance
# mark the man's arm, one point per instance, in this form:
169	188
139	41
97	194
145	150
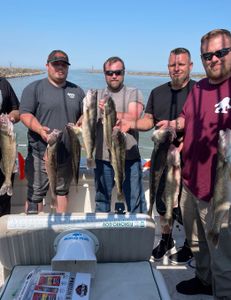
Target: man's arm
177	124
135	110
142	124
31	122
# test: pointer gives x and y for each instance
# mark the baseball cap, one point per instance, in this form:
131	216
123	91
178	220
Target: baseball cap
58	55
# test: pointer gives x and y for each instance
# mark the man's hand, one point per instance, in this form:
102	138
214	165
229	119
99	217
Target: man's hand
101	104
43	132
177	124
165	123
13	116
124	125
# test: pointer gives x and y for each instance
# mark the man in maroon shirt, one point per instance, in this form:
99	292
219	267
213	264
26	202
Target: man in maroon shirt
207	110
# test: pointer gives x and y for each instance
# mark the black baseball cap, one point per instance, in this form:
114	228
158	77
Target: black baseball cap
58	55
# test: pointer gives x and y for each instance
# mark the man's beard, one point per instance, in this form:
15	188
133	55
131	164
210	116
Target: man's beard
178	81
219	75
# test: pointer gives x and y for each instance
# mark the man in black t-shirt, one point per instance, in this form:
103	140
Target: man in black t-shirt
165	103
9	104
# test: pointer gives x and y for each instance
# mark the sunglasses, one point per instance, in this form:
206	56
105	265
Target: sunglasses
116	72
219	53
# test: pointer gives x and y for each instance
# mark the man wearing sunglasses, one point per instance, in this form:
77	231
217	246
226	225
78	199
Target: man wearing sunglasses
129	105
207	111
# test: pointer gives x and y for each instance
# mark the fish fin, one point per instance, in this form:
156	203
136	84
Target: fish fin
21	164
10	191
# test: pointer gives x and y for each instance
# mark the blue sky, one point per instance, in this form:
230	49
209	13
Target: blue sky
142	32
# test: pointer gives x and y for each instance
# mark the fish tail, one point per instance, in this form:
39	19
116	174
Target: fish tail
6	189
90	163
53	202
166	222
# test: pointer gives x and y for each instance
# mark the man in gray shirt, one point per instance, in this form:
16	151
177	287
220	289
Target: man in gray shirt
129	105
49	104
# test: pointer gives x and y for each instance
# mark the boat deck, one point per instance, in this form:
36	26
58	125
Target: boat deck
172	274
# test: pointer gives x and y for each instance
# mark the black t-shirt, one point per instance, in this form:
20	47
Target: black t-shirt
164	103
8	99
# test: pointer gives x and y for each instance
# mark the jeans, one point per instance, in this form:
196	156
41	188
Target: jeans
132	187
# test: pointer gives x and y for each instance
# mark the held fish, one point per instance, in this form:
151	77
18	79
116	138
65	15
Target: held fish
172	184
162	139
8	153
89	125
118	152
74	132
222	192
109	120
51	161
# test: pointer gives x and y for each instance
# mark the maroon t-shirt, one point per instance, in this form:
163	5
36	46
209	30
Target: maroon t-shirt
207	110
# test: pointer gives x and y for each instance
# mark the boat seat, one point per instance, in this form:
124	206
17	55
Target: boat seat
29	239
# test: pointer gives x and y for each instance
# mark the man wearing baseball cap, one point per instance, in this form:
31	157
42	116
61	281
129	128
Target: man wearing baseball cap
58	55
49	104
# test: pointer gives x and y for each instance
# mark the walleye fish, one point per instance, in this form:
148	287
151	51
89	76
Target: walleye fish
109	120
172	184
118	151
51	161
8	153
222	191
74	133
89	125
162	139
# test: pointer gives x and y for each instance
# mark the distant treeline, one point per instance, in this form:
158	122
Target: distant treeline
18	72
159	74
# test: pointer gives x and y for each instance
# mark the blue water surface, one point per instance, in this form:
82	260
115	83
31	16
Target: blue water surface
86	80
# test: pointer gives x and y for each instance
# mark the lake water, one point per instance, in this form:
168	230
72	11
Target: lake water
87	80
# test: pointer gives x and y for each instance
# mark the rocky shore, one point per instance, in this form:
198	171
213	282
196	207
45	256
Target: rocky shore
18	72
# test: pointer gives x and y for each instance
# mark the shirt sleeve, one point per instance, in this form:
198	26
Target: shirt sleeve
10	100
82	96
28	102
149	107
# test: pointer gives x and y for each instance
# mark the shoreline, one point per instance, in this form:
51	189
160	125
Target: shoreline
19	72
149	73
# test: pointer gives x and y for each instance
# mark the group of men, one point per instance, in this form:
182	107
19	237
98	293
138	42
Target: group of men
189	107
